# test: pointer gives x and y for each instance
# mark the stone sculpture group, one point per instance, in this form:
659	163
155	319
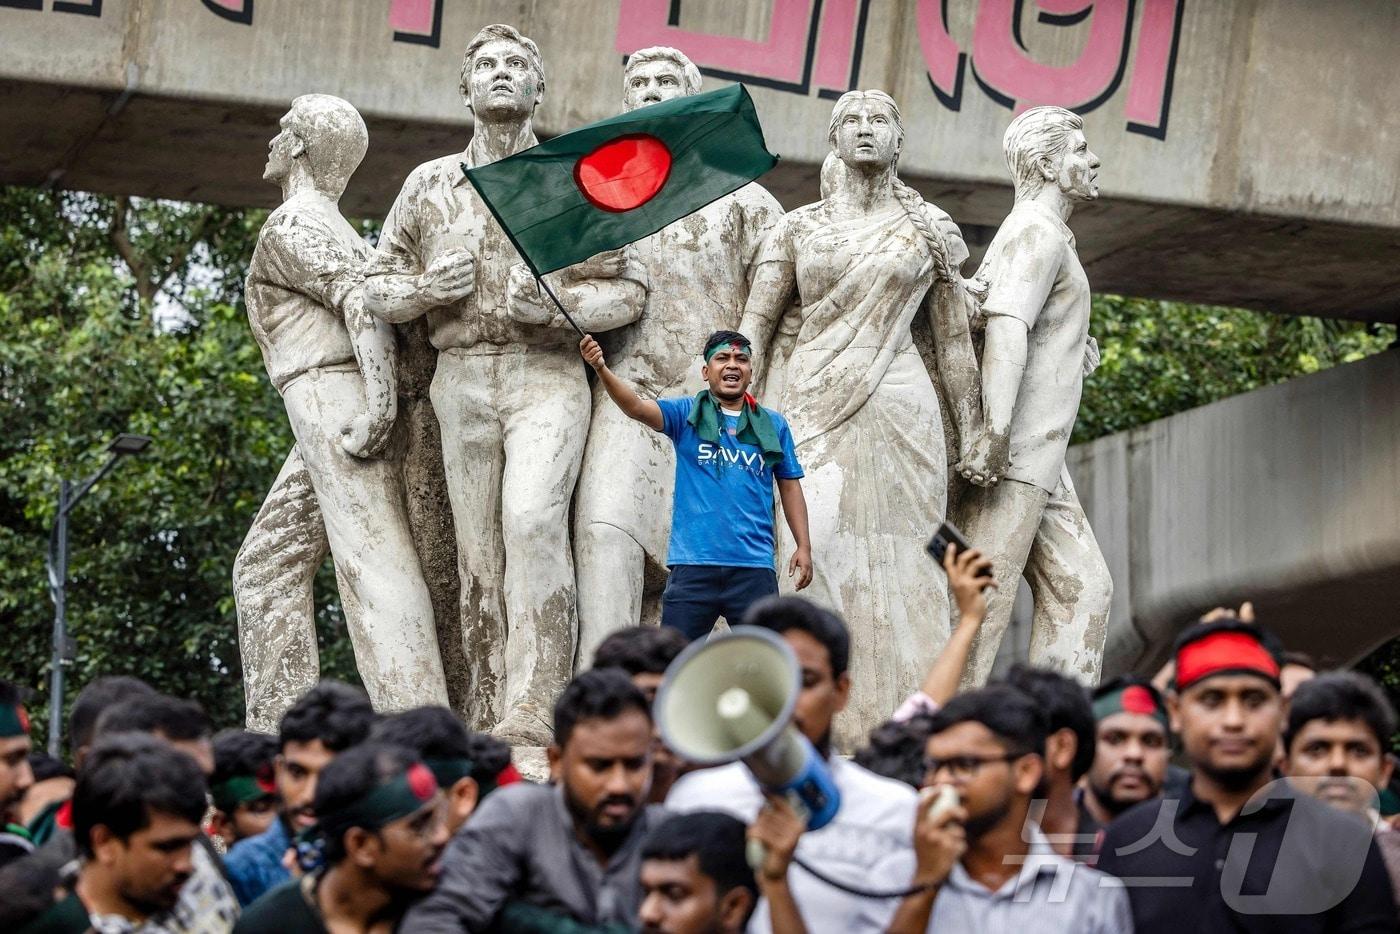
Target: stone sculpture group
892	440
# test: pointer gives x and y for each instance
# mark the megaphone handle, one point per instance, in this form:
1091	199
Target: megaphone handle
755	852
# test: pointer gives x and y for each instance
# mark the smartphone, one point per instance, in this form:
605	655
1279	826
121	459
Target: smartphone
946	535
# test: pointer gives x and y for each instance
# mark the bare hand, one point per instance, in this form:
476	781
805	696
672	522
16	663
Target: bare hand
969	589
524	303
366	434
939	841
592	353
450	277
778	828
608	264
801	564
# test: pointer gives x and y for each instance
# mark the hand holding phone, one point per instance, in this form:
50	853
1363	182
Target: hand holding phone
948	534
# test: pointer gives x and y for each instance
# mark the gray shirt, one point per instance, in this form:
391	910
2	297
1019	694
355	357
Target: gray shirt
520	846
1050	895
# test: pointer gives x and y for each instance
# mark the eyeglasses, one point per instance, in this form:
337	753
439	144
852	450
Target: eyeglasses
963	768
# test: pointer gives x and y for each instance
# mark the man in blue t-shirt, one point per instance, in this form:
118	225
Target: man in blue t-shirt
729	450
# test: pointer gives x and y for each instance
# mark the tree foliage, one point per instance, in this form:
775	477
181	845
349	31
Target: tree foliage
84	358
124	314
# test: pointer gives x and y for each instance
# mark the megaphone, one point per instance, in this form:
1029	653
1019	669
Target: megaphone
731	699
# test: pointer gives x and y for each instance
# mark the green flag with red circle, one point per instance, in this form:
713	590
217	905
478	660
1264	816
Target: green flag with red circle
618	180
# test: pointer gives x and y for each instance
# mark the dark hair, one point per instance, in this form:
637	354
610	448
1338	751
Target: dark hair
605	695
1014	718
723	337
348	778
716	840
1301	659
172	717
97	697
436	733
640	650
334	713
10	694
45	767
782	614
1341	695
125	777
1066	706
241	752
26	890
896	750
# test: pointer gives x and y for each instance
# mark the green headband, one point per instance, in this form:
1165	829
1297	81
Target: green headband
449	772
396	798
1132	698
742	345
14	721
240	789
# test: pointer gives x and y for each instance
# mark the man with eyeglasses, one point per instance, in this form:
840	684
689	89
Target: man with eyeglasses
984	864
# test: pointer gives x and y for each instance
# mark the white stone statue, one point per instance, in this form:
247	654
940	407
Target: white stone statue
509	393
1021	508
699	271
334	366
865	261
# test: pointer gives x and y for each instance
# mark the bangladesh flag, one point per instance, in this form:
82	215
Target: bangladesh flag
618	180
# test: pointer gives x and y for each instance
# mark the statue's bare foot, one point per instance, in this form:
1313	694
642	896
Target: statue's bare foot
524	725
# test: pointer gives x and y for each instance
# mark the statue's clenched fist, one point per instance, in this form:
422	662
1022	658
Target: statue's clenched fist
449	278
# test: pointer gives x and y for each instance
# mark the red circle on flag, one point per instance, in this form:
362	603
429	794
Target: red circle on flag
624	173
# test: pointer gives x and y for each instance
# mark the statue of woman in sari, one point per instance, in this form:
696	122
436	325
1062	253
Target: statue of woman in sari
866	416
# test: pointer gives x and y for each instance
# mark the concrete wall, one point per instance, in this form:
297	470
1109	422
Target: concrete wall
1248	147
1288	496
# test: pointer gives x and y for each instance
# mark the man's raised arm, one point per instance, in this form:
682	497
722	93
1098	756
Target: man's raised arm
632	405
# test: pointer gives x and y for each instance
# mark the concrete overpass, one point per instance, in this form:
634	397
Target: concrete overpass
1250	159
1249	147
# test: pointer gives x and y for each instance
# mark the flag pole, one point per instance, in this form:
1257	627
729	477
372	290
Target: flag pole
560	305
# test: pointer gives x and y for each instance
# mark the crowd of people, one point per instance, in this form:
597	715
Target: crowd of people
1070	814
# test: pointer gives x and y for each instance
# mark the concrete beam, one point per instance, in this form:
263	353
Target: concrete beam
1242	166
1288	496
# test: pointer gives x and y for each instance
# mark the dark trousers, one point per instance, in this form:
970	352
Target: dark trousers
698	594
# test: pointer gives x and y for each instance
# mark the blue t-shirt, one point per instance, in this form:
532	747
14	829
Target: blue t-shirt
723	512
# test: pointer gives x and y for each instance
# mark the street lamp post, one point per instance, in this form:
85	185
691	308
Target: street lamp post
69	493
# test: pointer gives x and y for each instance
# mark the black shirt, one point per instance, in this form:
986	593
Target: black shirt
1288	864
286	909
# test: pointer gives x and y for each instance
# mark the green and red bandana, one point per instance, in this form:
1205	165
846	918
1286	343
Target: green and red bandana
1131	698
14	721
396	798
243	789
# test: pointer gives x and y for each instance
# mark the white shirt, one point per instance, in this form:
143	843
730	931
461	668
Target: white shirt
876	820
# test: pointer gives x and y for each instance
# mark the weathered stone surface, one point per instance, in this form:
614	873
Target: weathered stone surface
335	369
863	263
508	394
1022	508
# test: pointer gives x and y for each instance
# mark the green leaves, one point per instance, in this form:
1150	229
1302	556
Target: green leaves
1160	358
152	545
